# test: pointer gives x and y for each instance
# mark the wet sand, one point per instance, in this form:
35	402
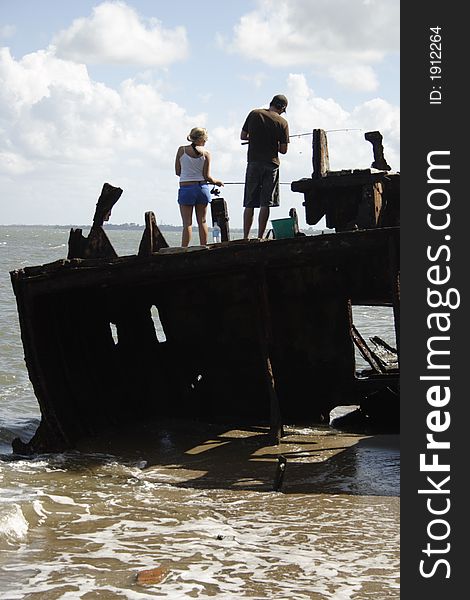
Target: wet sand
318	460
194	504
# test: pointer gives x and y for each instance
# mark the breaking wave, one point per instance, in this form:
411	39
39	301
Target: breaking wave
13	524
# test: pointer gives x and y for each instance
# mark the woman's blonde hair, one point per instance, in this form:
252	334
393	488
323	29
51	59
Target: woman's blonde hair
197	133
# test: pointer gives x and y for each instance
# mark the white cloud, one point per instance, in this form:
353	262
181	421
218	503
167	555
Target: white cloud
62	135
340	37
29	80
116	34
345	133
361	78
14	164
347	147
57	125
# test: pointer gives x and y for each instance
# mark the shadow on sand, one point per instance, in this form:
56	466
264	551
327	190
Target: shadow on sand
201	455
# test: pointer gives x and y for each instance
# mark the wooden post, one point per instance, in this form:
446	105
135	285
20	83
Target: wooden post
97	244
219	214
266	341
280	472
293	215
320	158
76	244
152	238
394	266
276	429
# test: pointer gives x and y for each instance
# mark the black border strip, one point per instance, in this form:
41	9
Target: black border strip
434	121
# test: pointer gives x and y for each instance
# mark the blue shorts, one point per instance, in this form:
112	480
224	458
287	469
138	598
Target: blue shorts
196	193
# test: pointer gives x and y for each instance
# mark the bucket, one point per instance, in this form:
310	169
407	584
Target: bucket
283	228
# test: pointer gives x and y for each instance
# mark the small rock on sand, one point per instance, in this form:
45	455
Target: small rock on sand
152	576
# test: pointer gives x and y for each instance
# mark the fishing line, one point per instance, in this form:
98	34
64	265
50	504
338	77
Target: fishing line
243	183
293	136
311	133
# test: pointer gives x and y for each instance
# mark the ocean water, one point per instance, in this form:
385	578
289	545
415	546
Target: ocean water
195	501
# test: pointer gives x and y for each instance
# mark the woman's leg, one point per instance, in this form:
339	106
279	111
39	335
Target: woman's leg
187	216
201	211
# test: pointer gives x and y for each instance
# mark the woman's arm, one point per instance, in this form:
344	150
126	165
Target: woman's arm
177	160
206	171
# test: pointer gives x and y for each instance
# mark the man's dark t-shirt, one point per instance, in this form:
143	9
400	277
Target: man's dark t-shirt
266	130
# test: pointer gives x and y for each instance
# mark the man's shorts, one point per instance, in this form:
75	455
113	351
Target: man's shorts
261	185
196	193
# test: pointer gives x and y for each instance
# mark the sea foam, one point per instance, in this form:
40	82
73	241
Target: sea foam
13	524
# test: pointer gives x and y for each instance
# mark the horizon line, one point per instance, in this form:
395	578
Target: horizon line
120	225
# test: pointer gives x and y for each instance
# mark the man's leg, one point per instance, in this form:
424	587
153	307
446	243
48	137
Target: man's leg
263	220
247	221
269	196
251	195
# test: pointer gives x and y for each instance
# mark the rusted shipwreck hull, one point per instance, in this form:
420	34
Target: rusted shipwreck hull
257	331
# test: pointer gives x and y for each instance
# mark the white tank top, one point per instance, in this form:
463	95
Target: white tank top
192	168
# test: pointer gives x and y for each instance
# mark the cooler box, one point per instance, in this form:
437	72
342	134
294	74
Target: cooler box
283	228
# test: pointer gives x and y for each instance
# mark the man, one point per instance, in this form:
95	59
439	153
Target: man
267	134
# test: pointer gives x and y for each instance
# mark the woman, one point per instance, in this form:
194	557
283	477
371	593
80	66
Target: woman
192	165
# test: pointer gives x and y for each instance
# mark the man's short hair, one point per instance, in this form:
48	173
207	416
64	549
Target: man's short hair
279	101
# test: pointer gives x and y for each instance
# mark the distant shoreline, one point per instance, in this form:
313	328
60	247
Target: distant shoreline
106	226
110	226
136	227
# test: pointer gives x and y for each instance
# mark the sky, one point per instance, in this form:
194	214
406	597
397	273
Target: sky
94	92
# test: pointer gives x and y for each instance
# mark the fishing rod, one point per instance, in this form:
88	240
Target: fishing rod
326	131
243	183
311	133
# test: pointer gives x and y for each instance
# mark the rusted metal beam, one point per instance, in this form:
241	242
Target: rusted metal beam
108	198
365	351
375	138
369	208
384	353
